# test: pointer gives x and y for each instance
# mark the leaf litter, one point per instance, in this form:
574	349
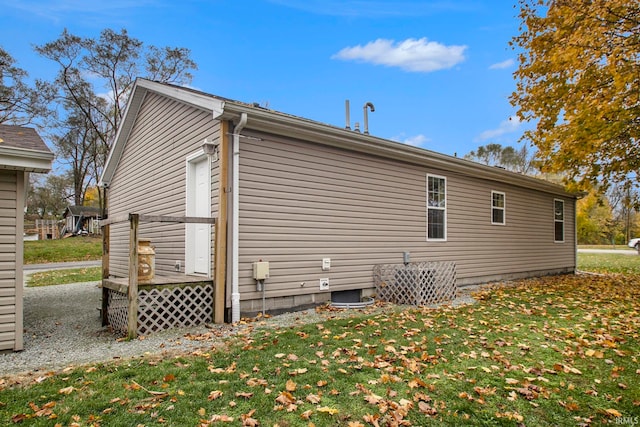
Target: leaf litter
559	350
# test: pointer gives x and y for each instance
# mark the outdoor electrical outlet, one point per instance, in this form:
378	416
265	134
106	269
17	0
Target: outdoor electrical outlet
177	266
324	284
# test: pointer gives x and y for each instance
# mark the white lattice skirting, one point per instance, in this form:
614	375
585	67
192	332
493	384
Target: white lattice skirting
420	283
117	311
163	308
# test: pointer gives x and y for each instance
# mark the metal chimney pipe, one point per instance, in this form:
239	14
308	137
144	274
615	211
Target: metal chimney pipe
366	116
348	114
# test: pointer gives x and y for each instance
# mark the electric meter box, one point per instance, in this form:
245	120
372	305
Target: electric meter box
261	270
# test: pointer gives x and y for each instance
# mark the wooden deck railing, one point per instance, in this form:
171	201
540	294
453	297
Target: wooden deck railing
132	293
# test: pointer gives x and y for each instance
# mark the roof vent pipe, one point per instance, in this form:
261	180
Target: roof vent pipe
356	127
348	114
366	116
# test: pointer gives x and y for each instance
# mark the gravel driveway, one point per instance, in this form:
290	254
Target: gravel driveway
62	327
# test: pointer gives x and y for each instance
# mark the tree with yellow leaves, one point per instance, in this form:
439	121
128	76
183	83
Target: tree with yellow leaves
594	219
579	79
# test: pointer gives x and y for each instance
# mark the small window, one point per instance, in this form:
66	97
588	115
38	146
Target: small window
436	208
558	218
497	208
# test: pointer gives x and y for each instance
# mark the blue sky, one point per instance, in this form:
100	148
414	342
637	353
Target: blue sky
438	72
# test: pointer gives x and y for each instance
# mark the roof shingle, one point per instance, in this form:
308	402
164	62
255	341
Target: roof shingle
21	137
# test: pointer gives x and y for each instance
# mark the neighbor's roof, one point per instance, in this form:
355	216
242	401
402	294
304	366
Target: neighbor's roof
278	123
21	148
83	210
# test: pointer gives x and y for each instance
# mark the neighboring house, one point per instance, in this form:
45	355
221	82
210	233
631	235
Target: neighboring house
81	218
294	192
21	151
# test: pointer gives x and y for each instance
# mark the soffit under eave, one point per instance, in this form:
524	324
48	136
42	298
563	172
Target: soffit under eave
30	169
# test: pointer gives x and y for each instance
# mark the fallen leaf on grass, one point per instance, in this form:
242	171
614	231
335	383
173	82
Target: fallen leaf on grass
285	398
215	394
244	394
248	420
613	412
372	419
594	353
313	398
416	382
570	406
18	418
427	409
290	386
66	390
510	416
373	399
221	418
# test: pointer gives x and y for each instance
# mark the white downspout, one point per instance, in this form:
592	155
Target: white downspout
235	219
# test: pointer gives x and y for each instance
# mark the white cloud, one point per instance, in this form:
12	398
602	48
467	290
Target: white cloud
416	55
510	125
501	65
416	141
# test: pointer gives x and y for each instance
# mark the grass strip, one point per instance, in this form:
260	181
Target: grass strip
82	248
609	263
62	277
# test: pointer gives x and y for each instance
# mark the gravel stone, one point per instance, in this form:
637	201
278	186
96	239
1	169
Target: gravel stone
62	327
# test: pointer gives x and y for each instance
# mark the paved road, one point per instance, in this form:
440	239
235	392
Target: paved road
609	251
30	268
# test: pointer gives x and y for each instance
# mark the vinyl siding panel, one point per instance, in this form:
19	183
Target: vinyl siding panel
11	202
301	202
151	178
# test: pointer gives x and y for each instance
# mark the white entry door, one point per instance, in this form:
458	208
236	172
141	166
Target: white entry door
198	250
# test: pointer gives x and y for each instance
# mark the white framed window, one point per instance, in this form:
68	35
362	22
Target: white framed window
436	208
498	208
558	220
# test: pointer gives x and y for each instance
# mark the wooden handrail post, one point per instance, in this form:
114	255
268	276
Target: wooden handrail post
105	272
220	246
132	312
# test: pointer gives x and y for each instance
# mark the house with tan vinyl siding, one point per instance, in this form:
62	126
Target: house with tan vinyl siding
294	192
21	151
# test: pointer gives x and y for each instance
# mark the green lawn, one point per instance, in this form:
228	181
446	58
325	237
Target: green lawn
62	250
559	351
614	247
61	277
609	263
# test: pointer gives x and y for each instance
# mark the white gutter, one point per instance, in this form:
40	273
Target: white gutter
16	158
235	218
